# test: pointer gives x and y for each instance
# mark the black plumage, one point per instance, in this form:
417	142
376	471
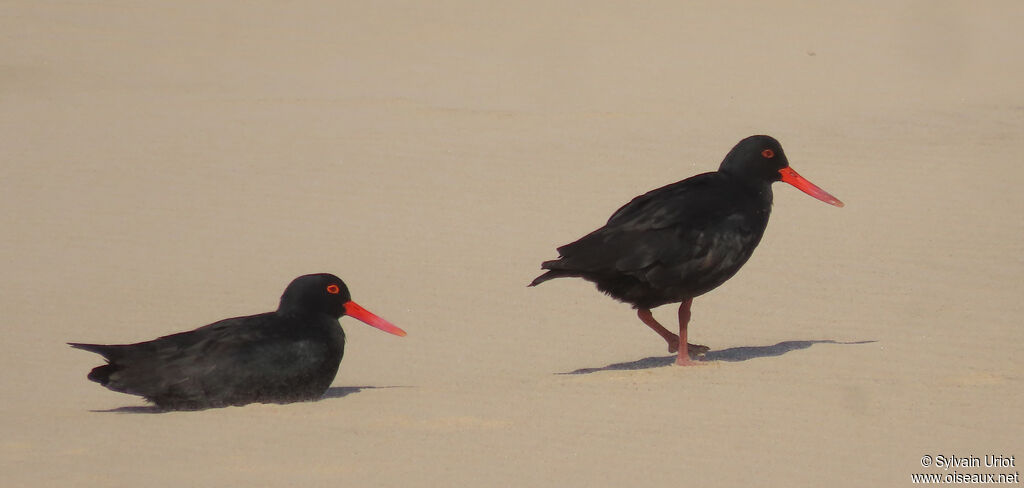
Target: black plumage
289	355
682	240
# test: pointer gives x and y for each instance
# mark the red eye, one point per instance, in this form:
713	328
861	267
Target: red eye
333	289
768	153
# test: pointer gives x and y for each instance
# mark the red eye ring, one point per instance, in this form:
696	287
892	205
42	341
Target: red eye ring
333	289
768	153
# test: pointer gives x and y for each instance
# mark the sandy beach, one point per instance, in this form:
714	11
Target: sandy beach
166	165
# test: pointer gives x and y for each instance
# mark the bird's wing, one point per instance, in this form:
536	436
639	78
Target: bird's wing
659	225
191	366
666	205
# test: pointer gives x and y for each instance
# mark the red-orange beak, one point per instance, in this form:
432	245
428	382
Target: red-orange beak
793	178
352	309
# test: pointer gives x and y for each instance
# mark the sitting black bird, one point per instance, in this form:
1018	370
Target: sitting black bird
285	356
683	240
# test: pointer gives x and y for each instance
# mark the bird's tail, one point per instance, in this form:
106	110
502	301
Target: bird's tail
542	278
107	352
551	273
100	374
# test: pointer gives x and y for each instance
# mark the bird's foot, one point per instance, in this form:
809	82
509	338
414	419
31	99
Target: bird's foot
686	361
693	351
697	350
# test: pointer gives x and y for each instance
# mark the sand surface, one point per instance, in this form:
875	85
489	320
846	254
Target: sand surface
168	164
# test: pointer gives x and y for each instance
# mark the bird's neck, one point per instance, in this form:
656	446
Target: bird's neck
303	313
754	187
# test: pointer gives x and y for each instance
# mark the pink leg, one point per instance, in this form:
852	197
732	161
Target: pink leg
683	358
647	318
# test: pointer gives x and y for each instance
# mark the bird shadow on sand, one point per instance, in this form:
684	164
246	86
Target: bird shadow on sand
732	354
133	409
331	393
344	391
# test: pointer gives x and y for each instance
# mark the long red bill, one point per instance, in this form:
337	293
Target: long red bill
354	310
793	178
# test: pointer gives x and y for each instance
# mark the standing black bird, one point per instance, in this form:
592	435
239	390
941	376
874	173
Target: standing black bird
683	240
285	356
